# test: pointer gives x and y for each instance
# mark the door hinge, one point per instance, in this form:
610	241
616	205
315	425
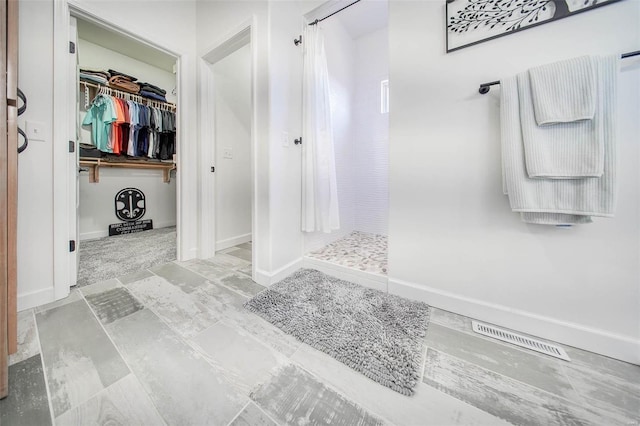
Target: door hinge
72	47
72	245
213	169
72	146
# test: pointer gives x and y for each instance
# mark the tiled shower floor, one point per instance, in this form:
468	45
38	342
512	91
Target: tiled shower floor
358	250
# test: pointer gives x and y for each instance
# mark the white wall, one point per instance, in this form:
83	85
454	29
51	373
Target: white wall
35	191
97	209
93	56
35	195
371	135
453	240
278	64
232	76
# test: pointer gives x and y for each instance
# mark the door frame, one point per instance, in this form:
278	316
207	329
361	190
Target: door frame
242	35
64	164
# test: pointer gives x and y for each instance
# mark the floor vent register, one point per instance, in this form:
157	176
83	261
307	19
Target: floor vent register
520	340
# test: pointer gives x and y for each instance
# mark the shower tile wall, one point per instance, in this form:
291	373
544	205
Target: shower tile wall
357	63
371	142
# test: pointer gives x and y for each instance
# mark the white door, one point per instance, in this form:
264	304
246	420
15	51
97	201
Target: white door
74	148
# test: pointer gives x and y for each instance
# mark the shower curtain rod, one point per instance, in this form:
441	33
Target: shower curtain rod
485	87
298	40
329	16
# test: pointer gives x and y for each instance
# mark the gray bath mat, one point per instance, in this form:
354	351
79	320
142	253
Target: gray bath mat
376	334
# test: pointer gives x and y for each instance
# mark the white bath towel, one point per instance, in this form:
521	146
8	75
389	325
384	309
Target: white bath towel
579	197
564	91
564	150
554	218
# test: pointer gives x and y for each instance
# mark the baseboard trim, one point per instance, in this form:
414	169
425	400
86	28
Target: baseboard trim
594	340
267	279
366	279
100	234
35	298
233	241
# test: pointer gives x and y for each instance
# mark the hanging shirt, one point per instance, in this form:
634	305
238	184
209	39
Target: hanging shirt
143	134
100	116
116	130
125	126
133	127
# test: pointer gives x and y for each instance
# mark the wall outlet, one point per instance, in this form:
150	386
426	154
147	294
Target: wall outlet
227	153
285	139
36	130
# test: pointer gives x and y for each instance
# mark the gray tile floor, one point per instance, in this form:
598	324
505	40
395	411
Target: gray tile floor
173	345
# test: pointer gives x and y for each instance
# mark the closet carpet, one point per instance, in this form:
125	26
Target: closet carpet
111	257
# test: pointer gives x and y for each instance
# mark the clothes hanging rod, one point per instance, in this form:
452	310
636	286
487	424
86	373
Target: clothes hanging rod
298	40
485	87
134	96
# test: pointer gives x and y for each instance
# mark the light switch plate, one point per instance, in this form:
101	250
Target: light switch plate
285	139
227	153
36	130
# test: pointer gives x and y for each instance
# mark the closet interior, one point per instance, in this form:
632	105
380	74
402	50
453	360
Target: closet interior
356	45
127	147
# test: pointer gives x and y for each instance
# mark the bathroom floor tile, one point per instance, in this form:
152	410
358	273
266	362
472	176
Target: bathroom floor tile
79	358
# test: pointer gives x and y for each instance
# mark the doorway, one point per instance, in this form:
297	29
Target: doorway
65	156
228	122
127	185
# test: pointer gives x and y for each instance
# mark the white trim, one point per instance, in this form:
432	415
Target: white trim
266	279
61	199
230	42
92	235
365	279
233	241
613	345
35	298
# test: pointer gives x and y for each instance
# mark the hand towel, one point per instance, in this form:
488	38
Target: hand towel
569	150
560	151
579	197
564	91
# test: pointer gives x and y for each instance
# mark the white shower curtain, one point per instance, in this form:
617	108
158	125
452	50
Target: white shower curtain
319	191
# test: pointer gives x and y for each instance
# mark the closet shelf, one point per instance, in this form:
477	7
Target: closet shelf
94	165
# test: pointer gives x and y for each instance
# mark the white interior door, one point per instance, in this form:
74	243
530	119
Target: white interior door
74	155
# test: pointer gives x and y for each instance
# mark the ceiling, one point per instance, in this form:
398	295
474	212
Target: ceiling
364	17
127	46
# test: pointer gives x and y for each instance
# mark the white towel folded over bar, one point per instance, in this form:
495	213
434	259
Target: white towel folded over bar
564	150
580	197
564	91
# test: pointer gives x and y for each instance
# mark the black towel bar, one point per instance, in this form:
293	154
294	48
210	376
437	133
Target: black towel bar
485	87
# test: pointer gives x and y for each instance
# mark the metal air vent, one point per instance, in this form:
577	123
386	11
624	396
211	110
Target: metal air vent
520	340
